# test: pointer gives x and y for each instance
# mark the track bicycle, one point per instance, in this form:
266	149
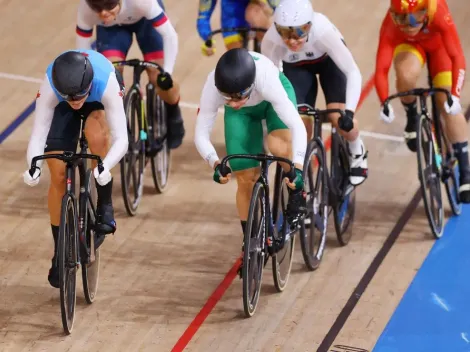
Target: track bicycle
327	188
76	241
436	160
267	233
247	33
147	129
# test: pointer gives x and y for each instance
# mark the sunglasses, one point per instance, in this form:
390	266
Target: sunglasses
238	96
413	19
103	6
298	32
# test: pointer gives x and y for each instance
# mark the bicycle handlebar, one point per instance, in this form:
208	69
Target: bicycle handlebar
208	41
417	92
224	170
306	109
65	157
137	63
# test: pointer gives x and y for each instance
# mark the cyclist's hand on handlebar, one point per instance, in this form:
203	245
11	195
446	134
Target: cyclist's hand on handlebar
455	108
346	123
386	113
208	50
219	178
32	180
297	182
104	177
164	81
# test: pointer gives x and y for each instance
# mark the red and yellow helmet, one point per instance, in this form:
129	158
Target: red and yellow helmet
410	12
408	6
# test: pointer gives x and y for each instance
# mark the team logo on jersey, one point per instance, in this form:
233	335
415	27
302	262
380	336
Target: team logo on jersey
448	19
309	54
294	57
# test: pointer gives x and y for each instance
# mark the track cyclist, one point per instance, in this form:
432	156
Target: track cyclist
117	21
252	89
306	44
78	85
412	30
234	13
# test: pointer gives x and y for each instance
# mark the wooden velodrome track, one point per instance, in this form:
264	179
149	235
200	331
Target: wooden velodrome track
162	268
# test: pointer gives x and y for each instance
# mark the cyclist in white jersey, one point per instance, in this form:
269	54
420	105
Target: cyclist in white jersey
117	21
306	44
251	89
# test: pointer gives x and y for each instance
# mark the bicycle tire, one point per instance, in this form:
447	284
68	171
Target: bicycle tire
254	264
67	261
425	148
161	163
317	211
90	271
344	209
135	155
286	254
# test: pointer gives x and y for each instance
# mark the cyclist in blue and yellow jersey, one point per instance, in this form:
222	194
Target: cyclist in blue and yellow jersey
234	13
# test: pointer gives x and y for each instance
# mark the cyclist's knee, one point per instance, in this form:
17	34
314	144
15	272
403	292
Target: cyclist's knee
57	172
257	15
246	178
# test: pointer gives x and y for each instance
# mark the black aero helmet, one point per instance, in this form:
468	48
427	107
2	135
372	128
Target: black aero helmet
235	74
102	5
72	75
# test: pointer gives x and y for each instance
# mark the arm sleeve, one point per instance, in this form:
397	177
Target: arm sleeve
84	29
383	61
271	50
207	114
453	47
163	26
274	93
116	117
46	102
335	47
206	7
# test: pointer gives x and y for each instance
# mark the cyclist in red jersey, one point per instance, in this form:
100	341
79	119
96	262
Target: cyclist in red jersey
412	30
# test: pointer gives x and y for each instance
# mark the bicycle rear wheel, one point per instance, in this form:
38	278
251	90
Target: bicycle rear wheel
344	208
161	163
429	164
132	164
90	270
68	261
254	250
282	260
313	238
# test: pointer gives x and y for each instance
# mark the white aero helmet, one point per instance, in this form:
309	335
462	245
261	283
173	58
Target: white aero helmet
293	13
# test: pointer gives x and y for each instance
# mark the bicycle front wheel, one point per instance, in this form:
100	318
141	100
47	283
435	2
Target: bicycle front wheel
132	164
68	261
429	165
254	250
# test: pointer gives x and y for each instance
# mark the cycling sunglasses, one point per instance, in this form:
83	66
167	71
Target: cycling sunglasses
99	6
298	32
412	19
238	96
75	97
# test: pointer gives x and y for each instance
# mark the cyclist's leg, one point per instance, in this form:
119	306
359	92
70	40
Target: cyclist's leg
258	14
243	135
113	42
151	45
63	136
232	14
304	81
333	82
279	141
455	125
408	62
97	135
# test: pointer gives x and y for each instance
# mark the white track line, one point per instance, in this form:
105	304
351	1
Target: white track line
374	135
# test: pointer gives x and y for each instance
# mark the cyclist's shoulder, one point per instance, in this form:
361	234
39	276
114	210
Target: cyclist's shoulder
321	24
439	14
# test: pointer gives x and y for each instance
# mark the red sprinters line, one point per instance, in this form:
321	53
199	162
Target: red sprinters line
230	276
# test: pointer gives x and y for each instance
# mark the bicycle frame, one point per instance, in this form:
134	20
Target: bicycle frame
243	31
